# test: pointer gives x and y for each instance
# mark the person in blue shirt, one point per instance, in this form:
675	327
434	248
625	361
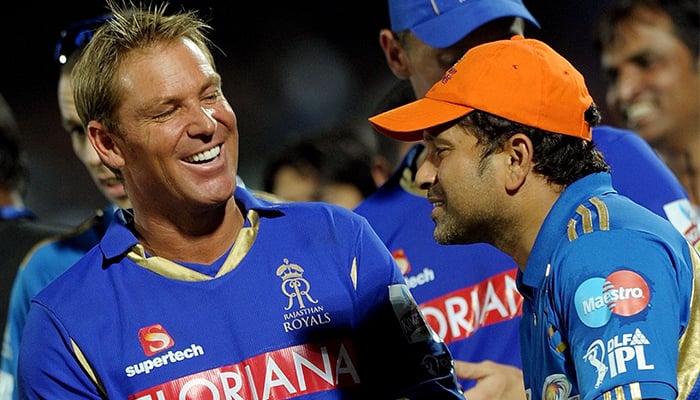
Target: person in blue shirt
610	288
20	229
53	257
478	310
202	290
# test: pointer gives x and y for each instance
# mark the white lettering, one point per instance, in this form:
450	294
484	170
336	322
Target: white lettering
306	321
492	303
231	392
272	370
459	315
457	310
146	366
611	296
300	362
624	349
421	278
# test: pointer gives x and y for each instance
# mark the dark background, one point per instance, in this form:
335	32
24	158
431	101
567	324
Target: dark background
288	68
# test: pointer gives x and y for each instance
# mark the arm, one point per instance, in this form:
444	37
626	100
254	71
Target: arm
48	367
622	317
493	380
396	332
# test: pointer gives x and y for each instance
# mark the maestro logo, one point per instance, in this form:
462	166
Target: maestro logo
624	293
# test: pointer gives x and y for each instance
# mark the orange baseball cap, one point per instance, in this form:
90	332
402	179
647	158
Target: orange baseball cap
522	80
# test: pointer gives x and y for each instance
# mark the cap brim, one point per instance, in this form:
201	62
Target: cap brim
408	122
447	29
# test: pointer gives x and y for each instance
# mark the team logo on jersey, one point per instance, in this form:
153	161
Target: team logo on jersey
624	293
417	279
556	387
401	259
155	339
297	289
618	355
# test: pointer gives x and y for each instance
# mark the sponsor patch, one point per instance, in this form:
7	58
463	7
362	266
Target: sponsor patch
618	355
155	339
624	293
303	310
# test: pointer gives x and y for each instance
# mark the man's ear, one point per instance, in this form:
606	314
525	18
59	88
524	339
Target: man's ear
519	151
380	169
107	148
394	54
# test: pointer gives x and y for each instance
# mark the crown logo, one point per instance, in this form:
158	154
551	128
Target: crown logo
294	286
289	271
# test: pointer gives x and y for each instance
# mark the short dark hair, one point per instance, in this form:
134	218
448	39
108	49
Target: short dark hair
334	155
561	159
684	14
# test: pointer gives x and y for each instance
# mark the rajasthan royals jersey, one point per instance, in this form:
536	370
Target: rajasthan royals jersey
468	292
307	304
612	301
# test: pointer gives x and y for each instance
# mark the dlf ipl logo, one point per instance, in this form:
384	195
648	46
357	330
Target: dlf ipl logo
623	293
154	339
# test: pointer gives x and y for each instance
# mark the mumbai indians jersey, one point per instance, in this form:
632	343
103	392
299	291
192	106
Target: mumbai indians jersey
468	292
307	304
611	307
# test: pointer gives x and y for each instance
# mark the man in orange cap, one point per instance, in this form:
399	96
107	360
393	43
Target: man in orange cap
477	312
607	284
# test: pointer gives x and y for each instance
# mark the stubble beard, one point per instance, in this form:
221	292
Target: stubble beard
452	228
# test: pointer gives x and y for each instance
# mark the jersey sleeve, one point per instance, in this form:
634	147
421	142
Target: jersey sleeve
31	277
620	305
47	356
416	363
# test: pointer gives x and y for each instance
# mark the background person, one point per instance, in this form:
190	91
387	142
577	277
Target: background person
20	230
176	273
650	55
334	165
498	170
53	257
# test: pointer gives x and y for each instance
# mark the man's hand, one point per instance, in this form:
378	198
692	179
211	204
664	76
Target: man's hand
493	381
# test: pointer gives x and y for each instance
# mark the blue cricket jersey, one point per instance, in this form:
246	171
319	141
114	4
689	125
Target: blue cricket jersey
43	265
307	304
468	292
611	306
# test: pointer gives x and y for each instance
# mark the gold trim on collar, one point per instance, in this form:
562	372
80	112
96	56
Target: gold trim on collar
162	266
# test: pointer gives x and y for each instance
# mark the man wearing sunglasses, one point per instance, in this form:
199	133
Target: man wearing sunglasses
54	257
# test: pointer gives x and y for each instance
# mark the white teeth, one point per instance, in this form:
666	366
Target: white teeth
638	110
205	155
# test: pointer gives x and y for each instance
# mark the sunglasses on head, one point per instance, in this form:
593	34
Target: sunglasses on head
75	36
